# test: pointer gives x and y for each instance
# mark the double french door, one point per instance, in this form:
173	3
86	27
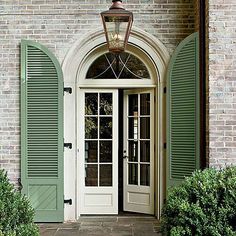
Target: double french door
98	151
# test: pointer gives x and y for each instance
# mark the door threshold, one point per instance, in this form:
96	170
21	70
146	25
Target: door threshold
120	214
134	214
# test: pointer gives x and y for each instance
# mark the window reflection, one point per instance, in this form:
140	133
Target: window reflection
145	151
91	154
91	104
133	105
91	127
133	150
122	66
133	174
98	139
91	175
105	175
145	175
145	127
105	104
106	127
133	127
139	139
105	151
145	104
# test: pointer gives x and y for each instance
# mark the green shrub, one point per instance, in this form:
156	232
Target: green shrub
204	204
16	213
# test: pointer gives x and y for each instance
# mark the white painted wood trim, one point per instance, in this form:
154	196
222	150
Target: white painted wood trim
97	207
157	57
95	41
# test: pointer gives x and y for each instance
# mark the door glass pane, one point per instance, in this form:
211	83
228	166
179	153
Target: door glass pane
106	104
139	139
133	105
145	151
133	150
145	104
145	174
91	175
133	127
105	151
98	141
105	175
106	127
145	127
91	151
91	127
91	104
133	173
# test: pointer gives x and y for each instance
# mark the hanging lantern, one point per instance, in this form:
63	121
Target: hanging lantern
117	24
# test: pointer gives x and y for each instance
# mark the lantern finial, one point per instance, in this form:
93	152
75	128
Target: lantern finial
117	4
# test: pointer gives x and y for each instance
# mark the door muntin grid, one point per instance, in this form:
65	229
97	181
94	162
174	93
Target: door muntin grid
138	141
98	142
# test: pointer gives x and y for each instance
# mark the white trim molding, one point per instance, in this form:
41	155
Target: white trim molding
83	48
75	65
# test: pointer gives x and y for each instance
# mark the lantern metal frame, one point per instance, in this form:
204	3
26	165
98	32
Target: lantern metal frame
117	13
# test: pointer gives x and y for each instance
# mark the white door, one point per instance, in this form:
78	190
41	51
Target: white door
98	152
139	151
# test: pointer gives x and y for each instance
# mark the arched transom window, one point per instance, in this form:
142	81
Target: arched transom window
118	66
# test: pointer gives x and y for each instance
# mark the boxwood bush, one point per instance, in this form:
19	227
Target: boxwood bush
16	213
204	204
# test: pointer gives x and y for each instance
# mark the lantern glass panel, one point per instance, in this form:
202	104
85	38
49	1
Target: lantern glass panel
116	32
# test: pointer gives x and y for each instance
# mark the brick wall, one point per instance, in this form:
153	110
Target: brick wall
197	15
58	24
222	82
207	80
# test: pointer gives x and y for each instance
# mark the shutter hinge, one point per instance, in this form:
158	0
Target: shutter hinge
68	90
68	201
164	89
68	145
164	145
20	184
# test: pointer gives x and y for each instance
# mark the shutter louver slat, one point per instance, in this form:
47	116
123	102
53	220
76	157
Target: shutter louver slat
41	95
42	131
183	115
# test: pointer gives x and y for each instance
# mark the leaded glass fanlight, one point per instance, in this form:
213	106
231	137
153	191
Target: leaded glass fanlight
117	66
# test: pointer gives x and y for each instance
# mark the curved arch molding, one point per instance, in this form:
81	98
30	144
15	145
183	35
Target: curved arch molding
73	67
74	59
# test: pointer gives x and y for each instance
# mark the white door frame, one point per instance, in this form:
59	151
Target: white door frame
156	57
97	200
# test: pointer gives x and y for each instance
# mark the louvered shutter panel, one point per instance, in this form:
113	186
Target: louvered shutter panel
42	131
183	113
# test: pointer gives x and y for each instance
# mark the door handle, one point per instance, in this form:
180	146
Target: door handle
125	156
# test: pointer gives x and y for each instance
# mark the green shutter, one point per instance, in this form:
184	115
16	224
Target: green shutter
183	114
42	131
